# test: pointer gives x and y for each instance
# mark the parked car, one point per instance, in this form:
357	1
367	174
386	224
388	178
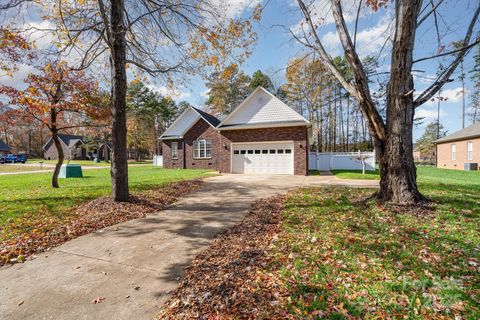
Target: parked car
2	159
14	158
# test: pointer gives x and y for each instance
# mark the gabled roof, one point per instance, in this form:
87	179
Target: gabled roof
185	121
4	146
262	109
70	140
213	121
472	131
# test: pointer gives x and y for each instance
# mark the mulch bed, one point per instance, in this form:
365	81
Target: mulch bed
44	231
224	281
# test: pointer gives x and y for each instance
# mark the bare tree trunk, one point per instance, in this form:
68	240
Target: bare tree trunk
335	105
119	167
348	124
5	133
61	157
463	93
398	179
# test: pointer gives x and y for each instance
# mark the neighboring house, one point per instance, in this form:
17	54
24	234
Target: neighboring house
458	148
73	148
4	148
104	151
424	156
261	136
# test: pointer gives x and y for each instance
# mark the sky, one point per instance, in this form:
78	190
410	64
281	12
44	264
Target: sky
276	46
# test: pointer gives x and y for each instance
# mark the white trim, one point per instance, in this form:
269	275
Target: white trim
171	138
264	125
199	116
256	142
176	150
262	142
176	120
248	98
469	150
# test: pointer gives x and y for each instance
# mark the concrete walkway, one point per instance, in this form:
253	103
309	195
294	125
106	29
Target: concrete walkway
135	265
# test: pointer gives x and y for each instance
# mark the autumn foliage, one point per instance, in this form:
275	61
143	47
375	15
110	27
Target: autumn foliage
14	49
59	98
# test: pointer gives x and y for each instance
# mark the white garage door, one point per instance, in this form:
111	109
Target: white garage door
263	158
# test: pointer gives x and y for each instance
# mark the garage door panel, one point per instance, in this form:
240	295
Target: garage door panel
263	158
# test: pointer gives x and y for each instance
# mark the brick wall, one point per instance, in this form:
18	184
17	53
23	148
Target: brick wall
202	130
297	134
168	162
221	143
444	152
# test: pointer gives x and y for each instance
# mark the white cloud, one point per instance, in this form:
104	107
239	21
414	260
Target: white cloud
429	115
177	94
233	8
17	80
449	96
369	41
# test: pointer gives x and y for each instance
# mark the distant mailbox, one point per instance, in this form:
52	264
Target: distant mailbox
470	166
71	171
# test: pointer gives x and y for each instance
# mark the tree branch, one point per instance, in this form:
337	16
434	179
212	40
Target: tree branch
445	75
370	112
473	44
434	8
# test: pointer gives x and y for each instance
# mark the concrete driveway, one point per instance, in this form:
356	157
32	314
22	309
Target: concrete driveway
135	265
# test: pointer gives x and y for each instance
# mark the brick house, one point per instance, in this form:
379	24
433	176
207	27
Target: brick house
73	148
261	136
458	148
4	148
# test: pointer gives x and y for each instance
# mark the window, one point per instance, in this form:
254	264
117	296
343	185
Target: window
174	148
250	151
236	152
273	151
288	150
470	150
454	152
243	151
280	151
202	149
257	151
264	151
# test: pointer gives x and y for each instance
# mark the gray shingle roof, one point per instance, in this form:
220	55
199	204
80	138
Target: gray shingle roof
68	138
466	133
208	117
4	146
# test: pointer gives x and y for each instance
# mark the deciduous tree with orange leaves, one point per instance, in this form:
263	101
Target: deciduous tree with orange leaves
60	98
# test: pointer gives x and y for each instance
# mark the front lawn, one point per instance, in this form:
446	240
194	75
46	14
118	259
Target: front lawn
35	217
340	258
32	193
84	162
18	168
356	174
424	173
337	257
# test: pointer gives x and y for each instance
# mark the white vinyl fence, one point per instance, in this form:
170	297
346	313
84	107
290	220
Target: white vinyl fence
325	161
158	160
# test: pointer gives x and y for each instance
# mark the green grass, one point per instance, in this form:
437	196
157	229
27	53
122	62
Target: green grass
356	174
342	258
25	194
17	168
424	173
86	162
